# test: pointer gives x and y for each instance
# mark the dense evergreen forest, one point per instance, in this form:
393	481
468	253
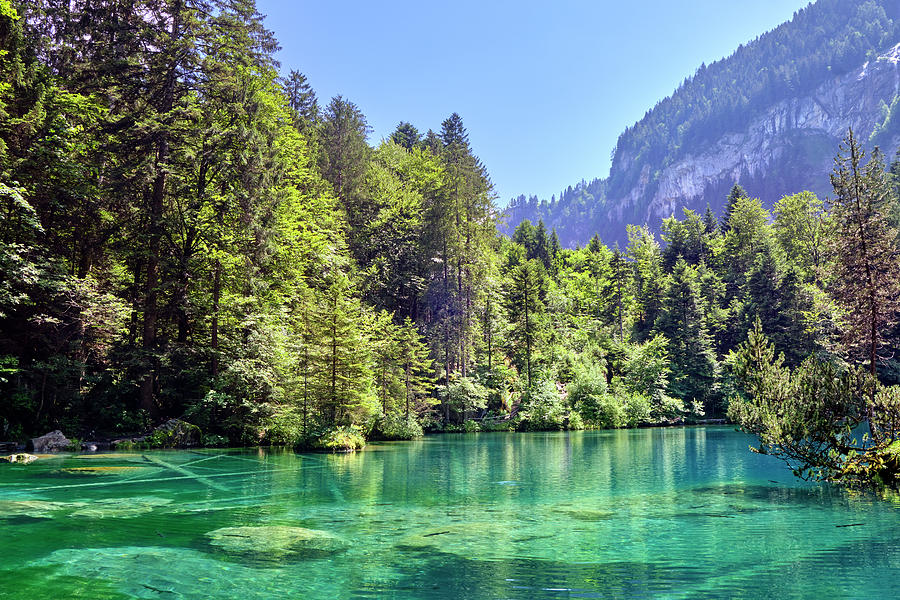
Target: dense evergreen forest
186	233
823	41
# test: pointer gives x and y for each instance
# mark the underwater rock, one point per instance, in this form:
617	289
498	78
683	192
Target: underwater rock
36	509
22	458
457	538
154	573
582	514
101	457
276	542
120	507
116	470
49	442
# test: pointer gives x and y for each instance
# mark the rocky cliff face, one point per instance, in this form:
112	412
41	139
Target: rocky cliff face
788	149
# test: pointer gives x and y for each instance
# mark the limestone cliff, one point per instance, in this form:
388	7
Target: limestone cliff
789	148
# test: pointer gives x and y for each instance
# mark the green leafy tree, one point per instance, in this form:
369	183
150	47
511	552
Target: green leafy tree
802	228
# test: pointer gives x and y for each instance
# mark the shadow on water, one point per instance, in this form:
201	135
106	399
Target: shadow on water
453	576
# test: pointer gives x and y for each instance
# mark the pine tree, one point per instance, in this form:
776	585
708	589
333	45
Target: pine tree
346	378
867	269
344	161
302	101
648	278
690	347
524	299
406	135
416	365
736	193
617	296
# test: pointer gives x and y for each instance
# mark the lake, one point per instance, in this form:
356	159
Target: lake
651	513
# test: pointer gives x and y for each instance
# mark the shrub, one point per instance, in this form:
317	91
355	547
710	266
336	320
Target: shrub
496	422
637	410
575	420
465	395
212	440
470	426
590	398
542	408
340	439
285	427
397	427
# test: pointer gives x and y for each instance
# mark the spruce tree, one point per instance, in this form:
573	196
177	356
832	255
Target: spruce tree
737	192
302	101
867	264
344	161
681	320
524	298
406	135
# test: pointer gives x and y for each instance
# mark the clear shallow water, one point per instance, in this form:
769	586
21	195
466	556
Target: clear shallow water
660	513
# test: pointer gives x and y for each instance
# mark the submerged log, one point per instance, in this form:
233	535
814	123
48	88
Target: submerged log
182	471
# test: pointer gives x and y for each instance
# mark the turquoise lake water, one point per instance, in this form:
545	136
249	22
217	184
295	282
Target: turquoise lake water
654	513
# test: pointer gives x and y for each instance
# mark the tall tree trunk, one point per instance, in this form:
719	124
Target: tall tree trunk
157	197
214	324
151	284
527	335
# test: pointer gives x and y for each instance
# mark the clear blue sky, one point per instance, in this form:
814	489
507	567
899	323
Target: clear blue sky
544	89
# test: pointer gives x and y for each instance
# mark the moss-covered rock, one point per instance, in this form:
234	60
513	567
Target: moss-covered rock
580	513
276	542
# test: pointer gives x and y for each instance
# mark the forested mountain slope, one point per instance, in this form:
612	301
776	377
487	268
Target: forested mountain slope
770	117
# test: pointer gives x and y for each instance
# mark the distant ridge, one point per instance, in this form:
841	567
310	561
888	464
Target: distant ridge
770	116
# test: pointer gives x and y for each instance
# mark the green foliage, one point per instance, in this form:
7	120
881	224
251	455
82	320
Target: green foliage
542	408
590	398
339	439
464	395
809	416
396	427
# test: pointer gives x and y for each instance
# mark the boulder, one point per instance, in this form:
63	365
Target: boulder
19	458
49	442
174	433
94	446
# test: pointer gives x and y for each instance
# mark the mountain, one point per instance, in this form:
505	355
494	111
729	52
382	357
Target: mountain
770	117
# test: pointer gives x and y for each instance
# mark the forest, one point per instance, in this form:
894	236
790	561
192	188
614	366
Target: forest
188	233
